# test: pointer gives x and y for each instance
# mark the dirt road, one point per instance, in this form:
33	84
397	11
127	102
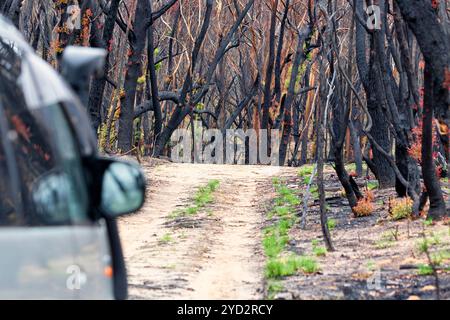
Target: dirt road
213	255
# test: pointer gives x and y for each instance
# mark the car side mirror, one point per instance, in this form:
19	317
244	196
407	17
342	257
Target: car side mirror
78	64
122	189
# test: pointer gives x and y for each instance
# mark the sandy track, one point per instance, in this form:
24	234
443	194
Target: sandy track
214	255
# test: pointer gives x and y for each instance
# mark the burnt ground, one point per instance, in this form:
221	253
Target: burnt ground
375	257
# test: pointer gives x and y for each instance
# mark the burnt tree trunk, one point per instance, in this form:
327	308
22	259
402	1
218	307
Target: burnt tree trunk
320	133
125	135
437	204
287	126
98	86
422	19
434	45
368	76
356	144
341	117
270	66
278	68
380	131
287	119
153	79
408	95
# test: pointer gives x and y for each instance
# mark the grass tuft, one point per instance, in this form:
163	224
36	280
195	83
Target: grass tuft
320	251
283	267
425	270
305	171
274	287
202	198
165	239
332	223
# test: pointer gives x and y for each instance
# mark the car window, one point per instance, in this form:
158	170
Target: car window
10	215
11	209
68	161
48	166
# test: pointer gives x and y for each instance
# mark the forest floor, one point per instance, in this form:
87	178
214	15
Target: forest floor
181	247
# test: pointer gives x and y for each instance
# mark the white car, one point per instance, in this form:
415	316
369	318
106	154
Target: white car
58	198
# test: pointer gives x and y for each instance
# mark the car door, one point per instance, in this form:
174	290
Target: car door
34	259
54	105
90	236
93	259
36	236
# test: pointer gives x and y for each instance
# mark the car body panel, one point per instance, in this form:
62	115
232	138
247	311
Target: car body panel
34	262
92	256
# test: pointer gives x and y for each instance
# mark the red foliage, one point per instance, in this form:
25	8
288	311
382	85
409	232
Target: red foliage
353	174
110	45
435	4
21	128
85	31
415	150
447	79
421	94
365	206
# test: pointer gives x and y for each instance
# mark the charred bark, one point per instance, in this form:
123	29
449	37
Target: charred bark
125	135
423	21
437	204
98	86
